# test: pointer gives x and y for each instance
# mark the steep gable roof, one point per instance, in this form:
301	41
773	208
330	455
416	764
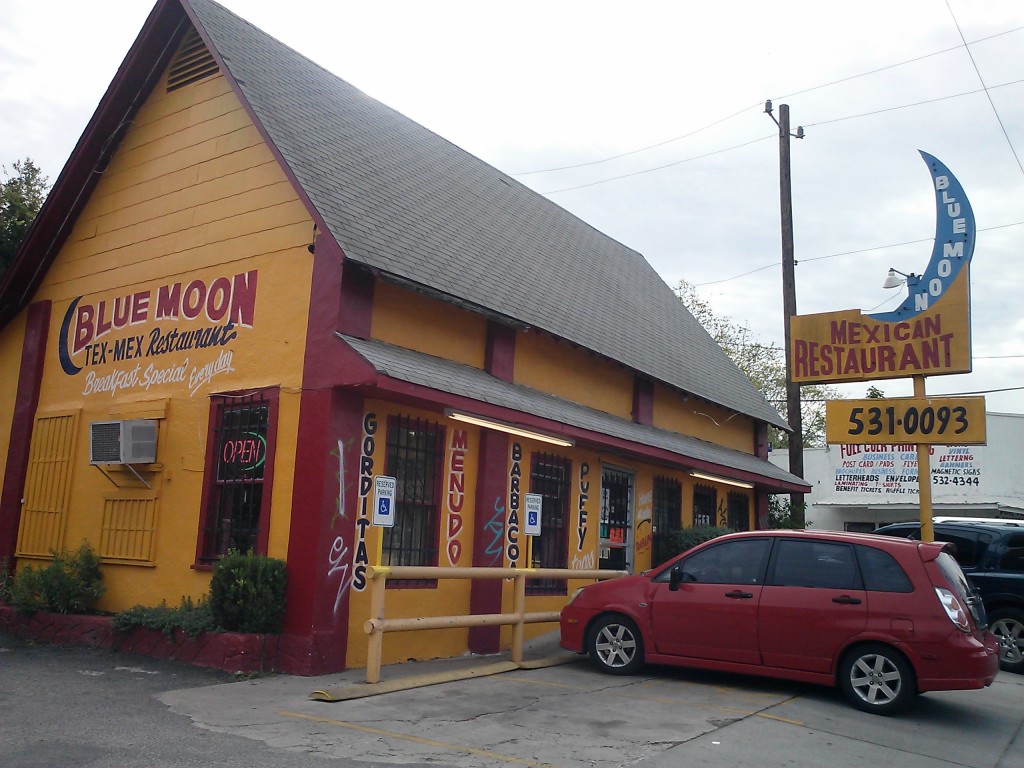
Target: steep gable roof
403	201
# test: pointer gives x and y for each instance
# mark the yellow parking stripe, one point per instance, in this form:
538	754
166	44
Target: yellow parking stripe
418	740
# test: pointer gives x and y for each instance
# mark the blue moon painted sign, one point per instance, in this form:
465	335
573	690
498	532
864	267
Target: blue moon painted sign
928	334
953	249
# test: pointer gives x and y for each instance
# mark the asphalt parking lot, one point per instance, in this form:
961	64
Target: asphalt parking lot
570	716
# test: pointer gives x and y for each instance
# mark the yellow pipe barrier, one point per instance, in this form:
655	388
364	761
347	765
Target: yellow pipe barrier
377	625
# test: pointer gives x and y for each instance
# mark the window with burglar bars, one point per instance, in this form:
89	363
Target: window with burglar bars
739	511
238	474
415	455
705	499
549	477
667	500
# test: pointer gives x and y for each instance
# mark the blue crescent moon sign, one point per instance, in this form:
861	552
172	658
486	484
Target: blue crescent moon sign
62	343
954	246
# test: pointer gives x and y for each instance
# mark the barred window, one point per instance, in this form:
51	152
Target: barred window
667	500
739	511
415	455
549	477
705	499
238	475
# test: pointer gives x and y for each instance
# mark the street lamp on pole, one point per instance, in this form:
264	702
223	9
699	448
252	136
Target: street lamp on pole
796	439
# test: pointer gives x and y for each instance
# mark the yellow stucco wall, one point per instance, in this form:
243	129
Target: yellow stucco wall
12	340
193	227
566	371
414	321
703	420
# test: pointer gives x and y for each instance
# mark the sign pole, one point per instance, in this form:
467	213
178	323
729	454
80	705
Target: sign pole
924	475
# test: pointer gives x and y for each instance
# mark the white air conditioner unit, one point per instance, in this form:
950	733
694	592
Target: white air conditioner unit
123	442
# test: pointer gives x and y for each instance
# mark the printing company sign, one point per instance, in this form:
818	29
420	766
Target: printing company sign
928	334
887	474
179	333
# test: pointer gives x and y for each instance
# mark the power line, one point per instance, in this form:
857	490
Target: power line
919	104
754	141
987	94
759	103
659	167
636	151
846	253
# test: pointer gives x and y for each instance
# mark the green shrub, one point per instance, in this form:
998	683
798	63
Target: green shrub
687	538
71	583
247	593
6	580
192	618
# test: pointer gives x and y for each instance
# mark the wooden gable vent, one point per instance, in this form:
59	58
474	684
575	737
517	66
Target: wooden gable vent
192	62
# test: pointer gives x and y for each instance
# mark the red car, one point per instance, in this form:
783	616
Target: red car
882	618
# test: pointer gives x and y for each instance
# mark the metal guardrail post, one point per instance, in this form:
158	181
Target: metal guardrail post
519	609
378	583
377	625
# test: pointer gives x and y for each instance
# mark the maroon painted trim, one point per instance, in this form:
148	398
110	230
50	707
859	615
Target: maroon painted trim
489	535
357	292
500	356
26	401
761	507
424	397
139	72
760	440
643	401
270	397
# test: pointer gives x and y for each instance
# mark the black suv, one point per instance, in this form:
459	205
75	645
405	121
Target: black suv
991	553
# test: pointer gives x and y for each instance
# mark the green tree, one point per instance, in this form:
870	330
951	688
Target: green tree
764	364
24	191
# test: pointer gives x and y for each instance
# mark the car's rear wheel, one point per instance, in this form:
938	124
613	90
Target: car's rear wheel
877	679
615	645
1007	624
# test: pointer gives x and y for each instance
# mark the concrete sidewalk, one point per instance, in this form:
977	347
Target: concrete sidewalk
446	713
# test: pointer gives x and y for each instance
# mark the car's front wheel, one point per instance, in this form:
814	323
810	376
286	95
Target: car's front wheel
1007	624
615	645
877	679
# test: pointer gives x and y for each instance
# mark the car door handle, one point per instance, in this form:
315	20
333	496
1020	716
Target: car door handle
738	595
846	600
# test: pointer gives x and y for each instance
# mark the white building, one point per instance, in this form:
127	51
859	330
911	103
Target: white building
860	487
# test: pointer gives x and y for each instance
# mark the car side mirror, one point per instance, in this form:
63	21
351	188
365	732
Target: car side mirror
674	577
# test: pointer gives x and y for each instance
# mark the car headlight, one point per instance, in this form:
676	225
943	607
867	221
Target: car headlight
574	595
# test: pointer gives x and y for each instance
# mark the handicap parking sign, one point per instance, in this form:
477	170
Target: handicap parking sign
384	501
533	503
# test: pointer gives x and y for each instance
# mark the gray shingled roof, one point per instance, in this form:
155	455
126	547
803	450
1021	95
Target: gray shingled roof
465	381
400	199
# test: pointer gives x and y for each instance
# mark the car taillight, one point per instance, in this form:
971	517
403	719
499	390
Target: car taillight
954	609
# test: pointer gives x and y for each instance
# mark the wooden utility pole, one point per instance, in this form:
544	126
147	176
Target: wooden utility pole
796	438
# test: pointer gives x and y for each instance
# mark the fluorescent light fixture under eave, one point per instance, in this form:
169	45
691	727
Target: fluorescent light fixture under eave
714	478
509	428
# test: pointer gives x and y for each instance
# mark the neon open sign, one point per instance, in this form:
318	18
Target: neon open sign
244	454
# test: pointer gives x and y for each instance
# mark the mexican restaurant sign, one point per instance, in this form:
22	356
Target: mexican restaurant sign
177	333
928	334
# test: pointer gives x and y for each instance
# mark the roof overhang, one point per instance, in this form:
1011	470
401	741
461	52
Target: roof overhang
418	379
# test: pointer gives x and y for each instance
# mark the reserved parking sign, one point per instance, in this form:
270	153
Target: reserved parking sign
384	501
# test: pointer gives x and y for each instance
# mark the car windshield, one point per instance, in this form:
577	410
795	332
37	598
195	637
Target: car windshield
960	585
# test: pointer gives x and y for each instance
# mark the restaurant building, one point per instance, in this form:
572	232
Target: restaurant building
254	290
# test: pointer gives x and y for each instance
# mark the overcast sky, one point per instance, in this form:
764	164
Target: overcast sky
660	106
